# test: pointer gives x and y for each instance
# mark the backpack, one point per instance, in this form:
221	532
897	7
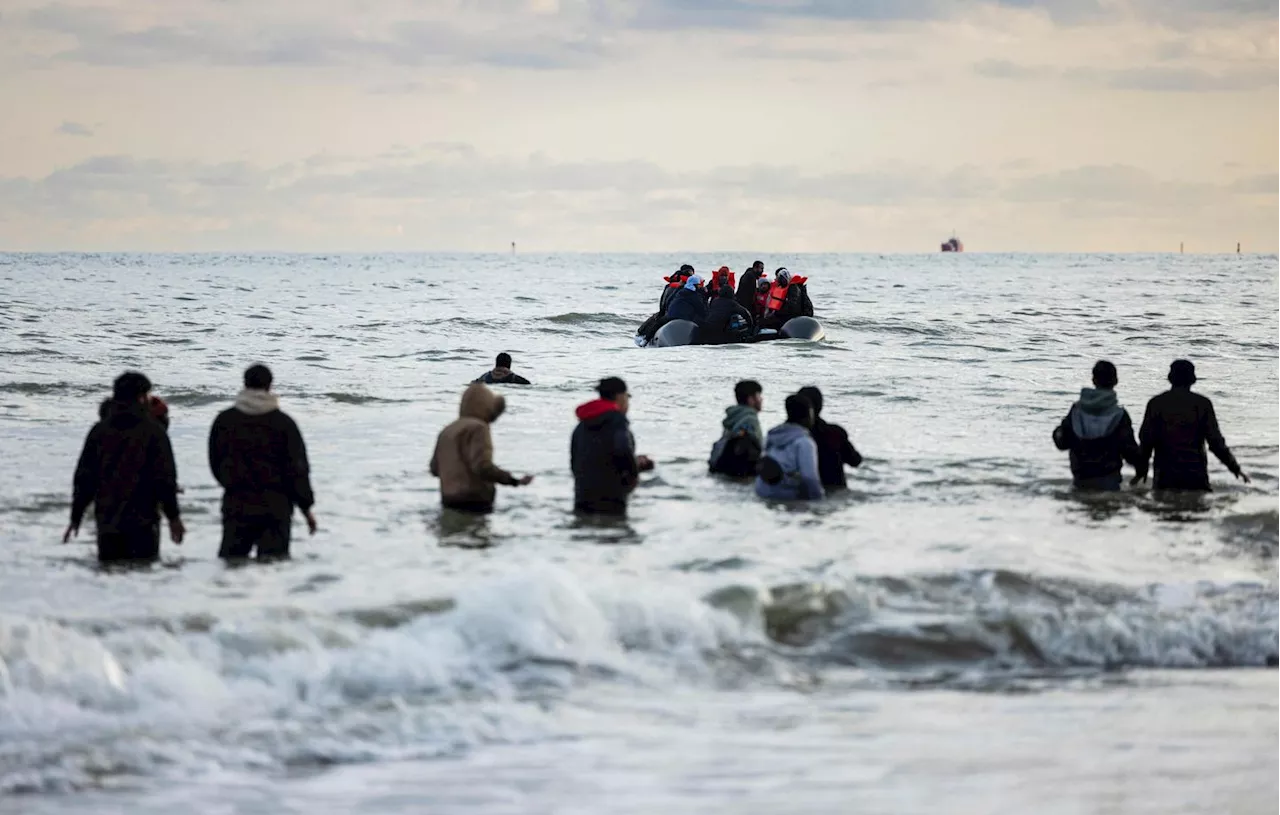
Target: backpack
770	471
735	455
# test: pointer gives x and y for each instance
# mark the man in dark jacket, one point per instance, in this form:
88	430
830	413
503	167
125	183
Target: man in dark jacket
689	302
669	291
726	320
126	470
602	453
1176	427
746	295
501	373
835	451
257	454
1099	434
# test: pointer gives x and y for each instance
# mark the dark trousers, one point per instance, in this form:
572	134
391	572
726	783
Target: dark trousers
268	534
472	507
140	545
1100	483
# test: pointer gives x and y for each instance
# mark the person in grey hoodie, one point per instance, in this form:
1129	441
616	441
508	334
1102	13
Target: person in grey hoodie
738	450
257	454
1099	434
789	467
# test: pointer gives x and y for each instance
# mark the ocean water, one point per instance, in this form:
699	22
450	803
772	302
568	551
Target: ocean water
958	633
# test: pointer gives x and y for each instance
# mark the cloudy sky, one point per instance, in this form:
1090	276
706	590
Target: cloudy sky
782	125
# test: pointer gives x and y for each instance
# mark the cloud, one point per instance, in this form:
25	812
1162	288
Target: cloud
74	129
449	196
1157	79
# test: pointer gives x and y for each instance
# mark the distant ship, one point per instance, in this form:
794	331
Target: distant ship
952	244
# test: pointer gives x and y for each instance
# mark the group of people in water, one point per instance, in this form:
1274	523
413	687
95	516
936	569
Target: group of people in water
727	309
256	453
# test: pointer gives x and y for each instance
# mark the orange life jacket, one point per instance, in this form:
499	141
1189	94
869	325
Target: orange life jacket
778	293
721	277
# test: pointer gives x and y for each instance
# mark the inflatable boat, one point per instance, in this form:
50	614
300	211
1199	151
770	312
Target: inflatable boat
685	332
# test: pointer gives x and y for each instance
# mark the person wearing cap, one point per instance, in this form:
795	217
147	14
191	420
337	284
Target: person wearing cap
602	453
127	472
689	303
1099	434
1176	428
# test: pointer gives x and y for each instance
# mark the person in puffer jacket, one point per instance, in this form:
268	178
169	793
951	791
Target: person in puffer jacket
789	467
1099	434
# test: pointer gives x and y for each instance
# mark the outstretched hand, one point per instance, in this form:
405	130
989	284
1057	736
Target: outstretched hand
524	481
72	531
644	464
312	526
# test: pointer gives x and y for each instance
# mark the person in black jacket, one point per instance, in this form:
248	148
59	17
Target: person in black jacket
834	448
1099	434
673	285
746	295
726	321
602	453
126	470
1176	427
501	373
689	302
257	454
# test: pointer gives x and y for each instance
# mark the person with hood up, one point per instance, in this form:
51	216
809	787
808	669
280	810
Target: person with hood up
463	458
502	373
789	468
726	321
126	470
1177	426
602	453
737	452
689	302
1099	434
796	302
835	451
257	454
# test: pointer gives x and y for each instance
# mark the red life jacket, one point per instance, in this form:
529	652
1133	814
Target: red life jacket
778	293
762	299
676	280
721	277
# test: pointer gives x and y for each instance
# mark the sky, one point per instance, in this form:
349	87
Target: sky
636	125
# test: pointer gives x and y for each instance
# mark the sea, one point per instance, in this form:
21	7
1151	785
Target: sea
957	633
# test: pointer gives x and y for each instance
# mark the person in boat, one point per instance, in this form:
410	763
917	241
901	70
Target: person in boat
674	284
501	373
719	278
747	285
788	298
835	451
788	469
1099	434
726	320
738	450
689	302
1176	428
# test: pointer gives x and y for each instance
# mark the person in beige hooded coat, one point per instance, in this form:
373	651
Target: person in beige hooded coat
463	458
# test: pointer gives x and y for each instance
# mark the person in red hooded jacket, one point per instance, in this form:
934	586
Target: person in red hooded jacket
602	453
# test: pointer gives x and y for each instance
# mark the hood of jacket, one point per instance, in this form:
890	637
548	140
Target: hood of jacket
598	412
1097	414
785	435
478	402
122	414
256	403
739	417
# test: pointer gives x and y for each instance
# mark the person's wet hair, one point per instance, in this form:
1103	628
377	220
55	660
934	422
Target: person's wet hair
814	396
258	378
799	410
1104	375
611	388
503	360
746	389
1182	373
130	386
